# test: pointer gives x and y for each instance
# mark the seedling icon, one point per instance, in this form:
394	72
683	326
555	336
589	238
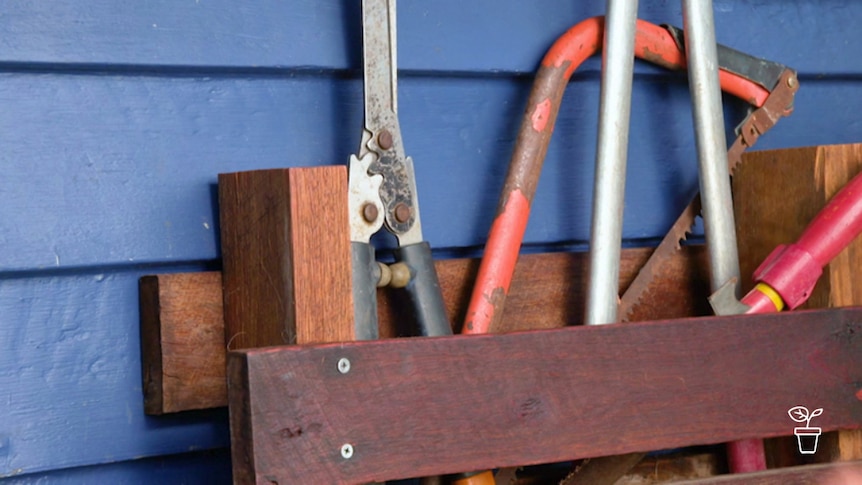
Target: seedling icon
807	436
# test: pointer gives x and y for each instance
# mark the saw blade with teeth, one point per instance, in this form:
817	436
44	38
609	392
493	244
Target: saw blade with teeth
779	104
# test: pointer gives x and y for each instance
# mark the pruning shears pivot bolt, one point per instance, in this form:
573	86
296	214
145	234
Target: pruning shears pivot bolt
369	212
402	212
384	139
382	191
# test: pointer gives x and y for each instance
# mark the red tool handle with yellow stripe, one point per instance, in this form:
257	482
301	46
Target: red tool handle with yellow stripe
788	275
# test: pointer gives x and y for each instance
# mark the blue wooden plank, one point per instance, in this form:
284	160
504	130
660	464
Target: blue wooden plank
446	35
107	170
204	468
70	378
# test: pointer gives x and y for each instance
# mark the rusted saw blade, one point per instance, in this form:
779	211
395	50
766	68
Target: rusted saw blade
777	105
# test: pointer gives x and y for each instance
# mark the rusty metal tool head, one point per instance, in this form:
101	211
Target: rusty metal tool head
382	191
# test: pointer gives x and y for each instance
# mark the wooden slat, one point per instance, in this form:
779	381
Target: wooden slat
547	292
183	365
658	469
776	194
413	407
286	256
823	474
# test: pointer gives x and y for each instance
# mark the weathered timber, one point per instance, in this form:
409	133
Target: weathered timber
822	474
579	391
182	342
286	256
185	309
777	193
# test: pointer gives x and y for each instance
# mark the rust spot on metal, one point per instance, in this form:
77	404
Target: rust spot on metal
384	139
402	212
497	299
369	212
658	58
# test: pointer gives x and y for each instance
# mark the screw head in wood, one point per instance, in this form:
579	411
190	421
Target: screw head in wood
347	451
344	365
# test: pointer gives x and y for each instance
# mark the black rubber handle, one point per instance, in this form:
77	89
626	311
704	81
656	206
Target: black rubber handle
424	290
366	273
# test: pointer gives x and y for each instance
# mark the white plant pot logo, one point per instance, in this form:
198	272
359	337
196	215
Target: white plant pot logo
807	436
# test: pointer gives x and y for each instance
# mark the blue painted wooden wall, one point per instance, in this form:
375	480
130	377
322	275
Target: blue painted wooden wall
117	117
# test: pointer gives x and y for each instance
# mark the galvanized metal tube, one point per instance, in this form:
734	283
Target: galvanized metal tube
611	152
700	48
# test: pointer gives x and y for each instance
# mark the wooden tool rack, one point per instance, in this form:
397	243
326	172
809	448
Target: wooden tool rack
307	405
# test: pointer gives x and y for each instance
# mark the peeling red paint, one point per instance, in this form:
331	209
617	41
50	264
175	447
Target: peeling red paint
540	115
498	264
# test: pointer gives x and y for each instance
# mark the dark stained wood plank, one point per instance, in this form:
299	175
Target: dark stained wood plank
286	256
776	194
480	402
547	292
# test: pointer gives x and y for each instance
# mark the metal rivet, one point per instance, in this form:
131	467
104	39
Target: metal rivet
384	139
369	212
791	81
346	451
402	212
344	365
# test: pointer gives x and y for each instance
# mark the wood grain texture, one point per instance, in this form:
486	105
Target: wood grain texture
547	292
776	194
674	468
286	256
183	364
824	474
582	391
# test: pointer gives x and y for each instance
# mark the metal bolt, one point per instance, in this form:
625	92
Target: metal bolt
344	365
384	139
402	212
369	212
346	451
791	82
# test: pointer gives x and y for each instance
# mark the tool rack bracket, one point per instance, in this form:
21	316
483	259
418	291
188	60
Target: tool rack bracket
182	322
286	256
418	407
